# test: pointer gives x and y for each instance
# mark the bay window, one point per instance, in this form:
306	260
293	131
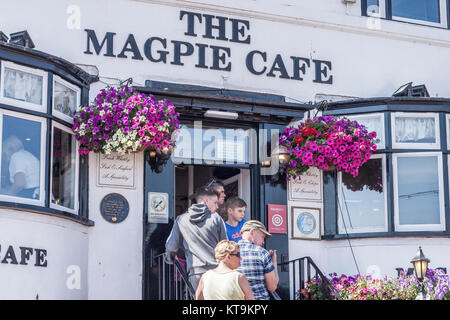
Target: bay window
40	167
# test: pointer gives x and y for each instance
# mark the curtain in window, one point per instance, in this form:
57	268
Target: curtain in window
408	130
23	86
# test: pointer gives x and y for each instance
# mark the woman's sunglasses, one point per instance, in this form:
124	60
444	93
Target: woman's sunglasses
238	254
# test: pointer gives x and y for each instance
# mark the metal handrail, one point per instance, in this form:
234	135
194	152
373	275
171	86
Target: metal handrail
302	275
173	281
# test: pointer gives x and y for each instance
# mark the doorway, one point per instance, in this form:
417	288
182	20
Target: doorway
190	177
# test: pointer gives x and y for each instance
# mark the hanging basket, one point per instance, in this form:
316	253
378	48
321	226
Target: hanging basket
124	121
328	144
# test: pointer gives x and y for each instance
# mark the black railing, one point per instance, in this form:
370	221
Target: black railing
307	281
173	282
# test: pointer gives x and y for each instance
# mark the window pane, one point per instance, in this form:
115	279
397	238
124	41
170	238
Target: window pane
418	190
65	99
23	86
426	10
63	168
413	130
212	144
373	124
362	201
21	150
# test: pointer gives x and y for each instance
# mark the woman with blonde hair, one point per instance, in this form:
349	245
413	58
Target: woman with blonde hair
224	282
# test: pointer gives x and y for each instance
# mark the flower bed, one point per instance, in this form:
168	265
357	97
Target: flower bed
327	142
121	120
436	285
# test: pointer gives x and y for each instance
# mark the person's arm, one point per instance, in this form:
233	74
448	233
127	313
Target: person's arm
173	243
19	183
271	277
199	292
245	287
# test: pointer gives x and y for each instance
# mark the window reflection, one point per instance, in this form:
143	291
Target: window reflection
418	190
63	168
65	99
20	165
362	199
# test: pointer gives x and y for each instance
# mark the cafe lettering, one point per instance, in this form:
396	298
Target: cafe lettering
175	52
23	256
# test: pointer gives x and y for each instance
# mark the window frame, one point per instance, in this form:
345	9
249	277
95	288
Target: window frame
42	193
385	12
23	104
418	227
74	211
381	9
447	131
381	156
67	84
414	145
379	115
442	17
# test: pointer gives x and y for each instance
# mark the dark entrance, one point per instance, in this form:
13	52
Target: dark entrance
256	114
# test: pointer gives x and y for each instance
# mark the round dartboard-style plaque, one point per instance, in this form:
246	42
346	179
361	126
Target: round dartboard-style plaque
114	208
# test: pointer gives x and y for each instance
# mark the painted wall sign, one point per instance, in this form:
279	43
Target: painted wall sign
277	218
116	170
211	57
158	207
23	256
114	208
307	187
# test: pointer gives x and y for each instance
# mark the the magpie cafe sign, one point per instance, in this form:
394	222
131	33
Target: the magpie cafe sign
23	256
223	29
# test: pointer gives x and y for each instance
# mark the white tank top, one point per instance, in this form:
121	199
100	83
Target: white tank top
222	286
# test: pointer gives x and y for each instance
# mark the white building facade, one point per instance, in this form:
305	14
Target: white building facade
268	62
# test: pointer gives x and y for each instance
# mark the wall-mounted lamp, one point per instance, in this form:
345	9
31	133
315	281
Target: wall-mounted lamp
157	160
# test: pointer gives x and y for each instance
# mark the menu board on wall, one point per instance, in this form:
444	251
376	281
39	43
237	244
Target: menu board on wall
116	170
307	187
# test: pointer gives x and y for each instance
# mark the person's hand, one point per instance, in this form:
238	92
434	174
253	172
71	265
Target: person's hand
273	255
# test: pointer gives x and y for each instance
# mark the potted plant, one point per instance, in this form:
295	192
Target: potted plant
327	143
122	120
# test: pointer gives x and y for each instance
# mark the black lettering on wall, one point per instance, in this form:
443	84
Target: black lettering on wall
209	26
131	46
190	22
238	28
92	38
25	253
178	53
201	55
323	68
162	53
10	255
220	55
249	61
278	65
40	257
300	64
